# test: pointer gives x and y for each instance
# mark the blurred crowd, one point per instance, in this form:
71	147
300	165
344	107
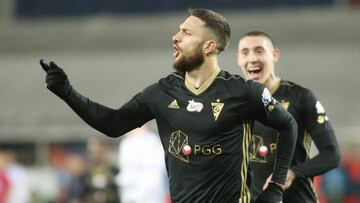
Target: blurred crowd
88	175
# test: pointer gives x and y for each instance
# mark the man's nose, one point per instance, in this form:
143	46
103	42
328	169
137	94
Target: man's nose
252	58
175	38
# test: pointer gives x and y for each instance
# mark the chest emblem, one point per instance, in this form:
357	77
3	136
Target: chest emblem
179	146
216	108
257	149
173	105
194	106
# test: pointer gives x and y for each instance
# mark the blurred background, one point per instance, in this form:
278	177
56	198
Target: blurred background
112	49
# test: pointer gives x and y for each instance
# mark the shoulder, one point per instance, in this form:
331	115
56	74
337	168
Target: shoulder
236	82
168	81
171	80
240	87
296	89
291	85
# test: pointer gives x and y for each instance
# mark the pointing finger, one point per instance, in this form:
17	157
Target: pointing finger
44	65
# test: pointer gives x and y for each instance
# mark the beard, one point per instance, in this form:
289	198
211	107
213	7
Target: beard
189	62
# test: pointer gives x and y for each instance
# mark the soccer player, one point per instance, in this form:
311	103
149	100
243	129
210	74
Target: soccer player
204	117
257	57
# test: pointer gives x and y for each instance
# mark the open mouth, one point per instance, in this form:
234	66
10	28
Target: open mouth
255	72
176	51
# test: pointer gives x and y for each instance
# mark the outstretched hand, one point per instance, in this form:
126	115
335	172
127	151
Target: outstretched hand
56	79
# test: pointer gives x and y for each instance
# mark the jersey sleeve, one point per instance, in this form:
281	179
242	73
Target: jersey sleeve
272	114
321	131
315	118
112	122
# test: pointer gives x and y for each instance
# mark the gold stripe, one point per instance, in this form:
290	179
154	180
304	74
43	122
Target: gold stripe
312	188
204	86
307	144
244	192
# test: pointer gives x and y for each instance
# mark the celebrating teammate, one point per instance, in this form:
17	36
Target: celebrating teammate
257	57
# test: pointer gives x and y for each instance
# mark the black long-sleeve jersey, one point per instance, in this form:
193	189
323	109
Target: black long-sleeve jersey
205	132
313	125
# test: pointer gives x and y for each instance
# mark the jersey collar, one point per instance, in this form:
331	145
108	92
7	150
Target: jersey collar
204	86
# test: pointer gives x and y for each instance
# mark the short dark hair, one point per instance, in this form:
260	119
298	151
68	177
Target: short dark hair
216	23
259	34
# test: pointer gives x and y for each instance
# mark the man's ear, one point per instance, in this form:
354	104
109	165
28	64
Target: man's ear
276	55
209	47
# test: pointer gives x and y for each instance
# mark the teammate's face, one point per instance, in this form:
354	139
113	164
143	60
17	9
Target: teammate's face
187	43
257	58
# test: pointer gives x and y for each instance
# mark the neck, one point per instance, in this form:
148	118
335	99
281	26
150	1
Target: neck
272	83
199	76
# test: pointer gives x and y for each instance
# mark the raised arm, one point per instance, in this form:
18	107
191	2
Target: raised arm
111	122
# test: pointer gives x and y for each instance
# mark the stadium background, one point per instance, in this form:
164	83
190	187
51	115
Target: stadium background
113	49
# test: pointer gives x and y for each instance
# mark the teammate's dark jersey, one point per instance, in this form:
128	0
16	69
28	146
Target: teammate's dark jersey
313	124
205	132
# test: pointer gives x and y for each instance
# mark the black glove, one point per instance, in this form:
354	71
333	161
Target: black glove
56	79
272	194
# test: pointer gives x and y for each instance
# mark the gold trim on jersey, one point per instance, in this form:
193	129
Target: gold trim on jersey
246	198
204	86
313	188
307	144
244	190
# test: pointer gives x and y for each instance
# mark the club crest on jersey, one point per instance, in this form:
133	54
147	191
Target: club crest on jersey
266	97
216	108
194	106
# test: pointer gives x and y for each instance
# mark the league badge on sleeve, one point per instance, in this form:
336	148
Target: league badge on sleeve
267	100
266	97
319	108
321	113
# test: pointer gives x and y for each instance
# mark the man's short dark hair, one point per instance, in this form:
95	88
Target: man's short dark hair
216	23
259	34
